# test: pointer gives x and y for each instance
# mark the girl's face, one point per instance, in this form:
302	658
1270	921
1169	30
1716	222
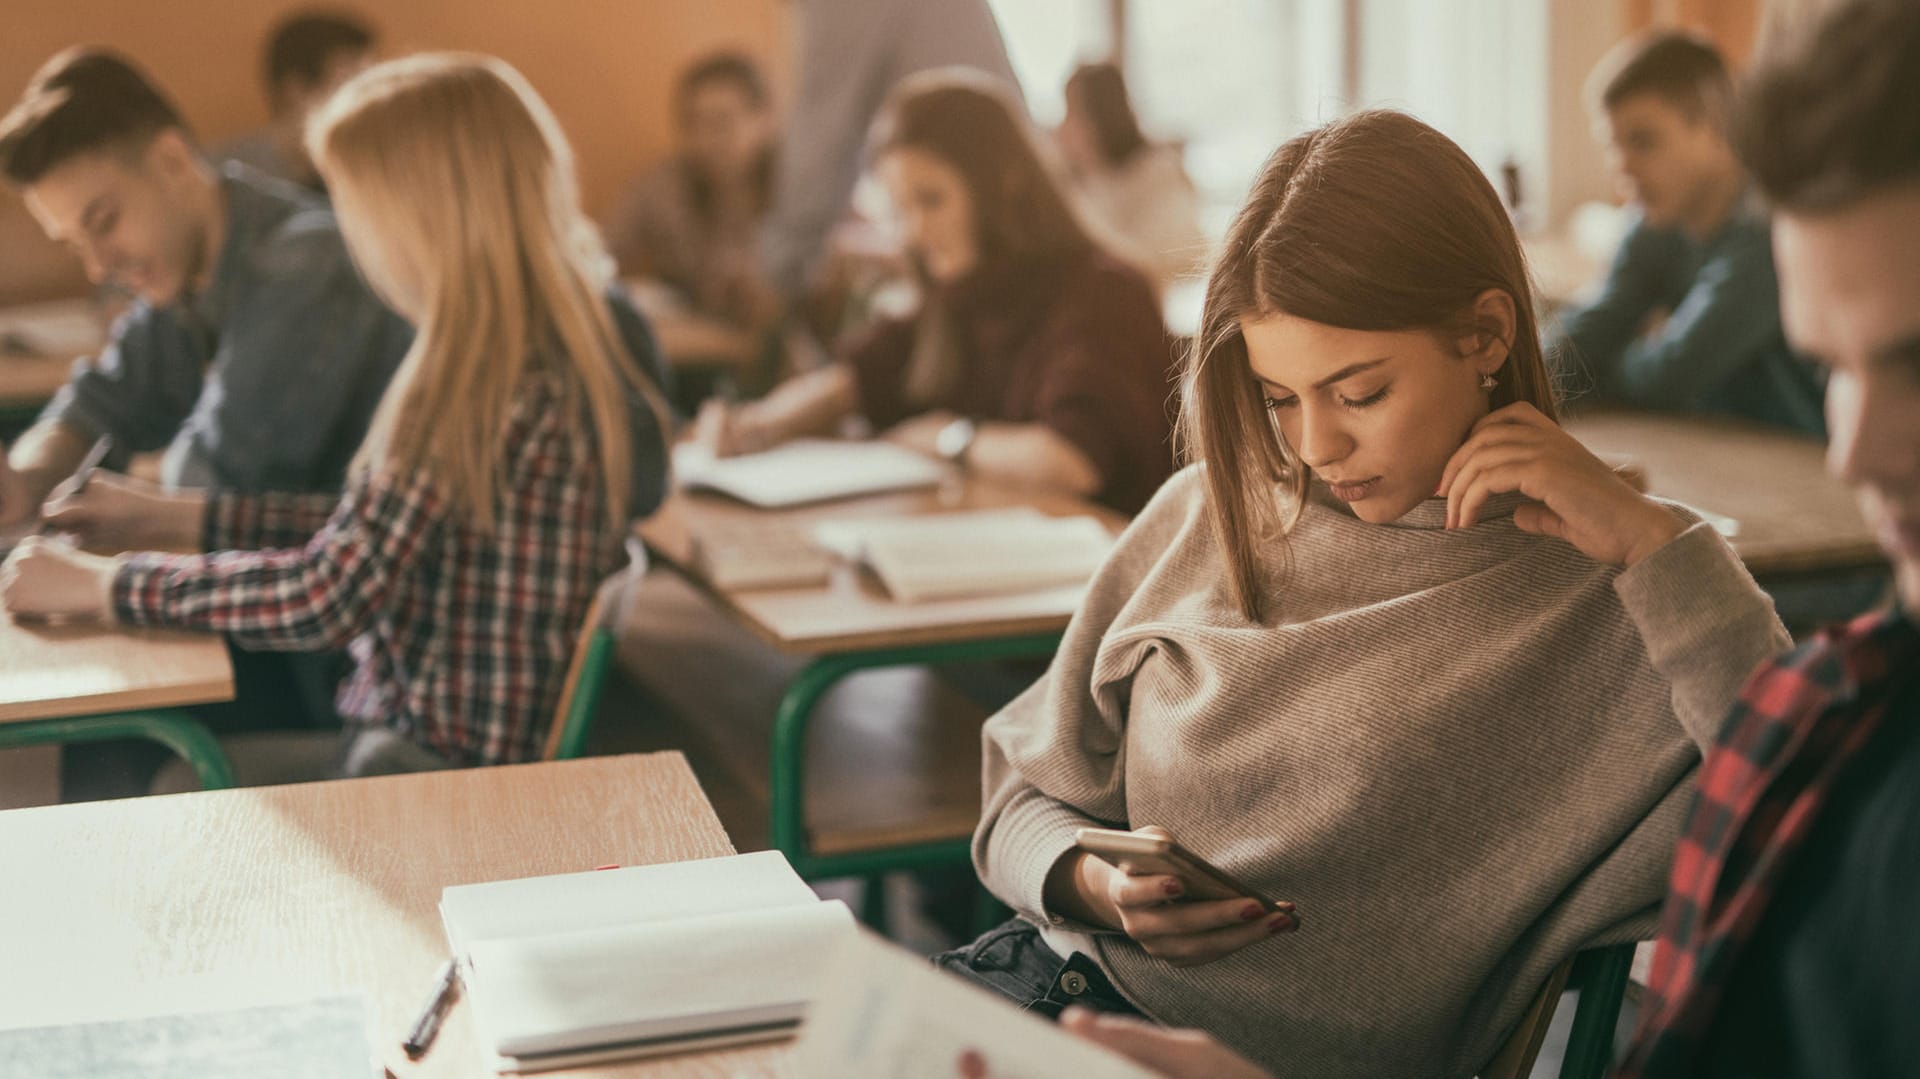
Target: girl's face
936	211
1374	414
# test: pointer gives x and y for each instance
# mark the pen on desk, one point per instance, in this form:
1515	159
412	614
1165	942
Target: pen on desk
101	447
446	986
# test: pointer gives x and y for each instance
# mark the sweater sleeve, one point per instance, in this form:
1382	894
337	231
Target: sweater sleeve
1705	623
1054	759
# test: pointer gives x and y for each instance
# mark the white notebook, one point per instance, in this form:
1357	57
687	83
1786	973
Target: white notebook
807	470
583	967
886	1013
976	553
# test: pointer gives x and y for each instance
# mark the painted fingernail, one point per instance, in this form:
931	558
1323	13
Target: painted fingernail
1251	911
1171	887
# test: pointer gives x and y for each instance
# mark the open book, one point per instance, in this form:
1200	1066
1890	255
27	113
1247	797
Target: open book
885	1013
985	552
574	969
807	470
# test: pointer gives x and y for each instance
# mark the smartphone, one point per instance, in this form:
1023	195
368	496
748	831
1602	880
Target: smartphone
1143	854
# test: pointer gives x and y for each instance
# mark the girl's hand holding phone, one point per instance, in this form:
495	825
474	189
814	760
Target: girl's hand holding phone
1157	910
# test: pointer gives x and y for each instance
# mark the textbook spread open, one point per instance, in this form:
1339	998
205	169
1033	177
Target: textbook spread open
886	1013
583	967
938	556
807	470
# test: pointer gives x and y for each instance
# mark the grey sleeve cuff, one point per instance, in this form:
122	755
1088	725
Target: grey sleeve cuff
1705	623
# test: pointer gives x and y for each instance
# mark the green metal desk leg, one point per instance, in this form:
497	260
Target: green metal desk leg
180	733
788	779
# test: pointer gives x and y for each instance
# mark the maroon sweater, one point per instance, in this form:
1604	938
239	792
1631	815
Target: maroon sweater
1078	346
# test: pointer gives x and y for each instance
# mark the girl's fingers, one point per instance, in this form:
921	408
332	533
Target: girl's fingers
1145	891
1481	442
1472	474
1184	919
1495	479
1193	949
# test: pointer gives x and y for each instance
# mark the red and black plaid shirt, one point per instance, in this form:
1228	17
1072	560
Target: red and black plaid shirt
460	638
1800	724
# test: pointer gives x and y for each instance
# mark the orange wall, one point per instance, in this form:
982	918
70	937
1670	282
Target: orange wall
605	66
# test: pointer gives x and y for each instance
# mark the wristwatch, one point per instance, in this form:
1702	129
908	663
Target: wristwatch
955	439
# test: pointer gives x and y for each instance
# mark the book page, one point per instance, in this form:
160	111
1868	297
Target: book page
943	556
886	1013
594	987
616	897
807	470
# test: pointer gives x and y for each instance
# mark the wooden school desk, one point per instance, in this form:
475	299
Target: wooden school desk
1794	519
851	625
227	899
38	344
85	682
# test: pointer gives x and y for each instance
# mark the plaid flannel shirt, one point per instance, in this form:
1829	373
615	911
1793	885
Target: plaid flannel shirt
460	638
1800	724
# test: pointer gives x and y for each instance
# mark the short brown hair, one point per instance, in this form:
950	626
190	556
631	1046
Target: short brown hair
81	101
1836	113
304	43
1682	69
1374	222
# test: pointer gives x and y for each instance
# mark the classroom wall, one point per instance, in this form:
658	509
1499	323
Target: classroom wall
605	66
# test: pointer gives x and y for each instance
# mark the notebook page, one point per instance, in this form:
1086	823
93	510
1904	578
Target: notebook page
886	1013
615	897
660	980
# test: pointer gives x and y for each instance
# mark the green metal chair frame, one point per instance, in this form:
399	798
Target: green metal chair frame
1600	974
179	732
582	702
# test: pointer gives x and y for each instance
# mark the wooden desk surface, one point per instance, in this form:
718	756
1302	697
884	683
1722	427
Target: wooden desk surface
1794	518
53	671
56	332
224	899
853	612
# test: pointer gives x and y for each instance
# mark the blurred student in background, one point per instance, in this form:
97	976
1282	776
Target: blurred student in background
308	55
1689	317
1035	357
849	55
1138	190
693	224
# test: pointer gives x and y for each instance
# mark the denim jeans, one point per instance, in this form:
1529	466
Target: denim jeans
1013	961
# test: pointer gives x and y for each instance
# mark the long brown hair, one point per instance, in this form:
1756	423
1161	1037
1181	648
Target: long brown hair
969	121
1375	222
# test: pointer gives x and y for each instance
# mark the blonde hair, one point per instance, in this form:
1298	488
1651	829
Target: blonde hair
459	172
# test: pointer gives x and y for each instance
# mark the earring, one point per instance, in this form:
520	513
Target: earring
1487	381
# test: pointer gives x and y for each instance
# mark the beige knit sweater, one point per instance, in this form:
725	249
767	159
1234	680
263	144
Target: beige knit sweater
1465	755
